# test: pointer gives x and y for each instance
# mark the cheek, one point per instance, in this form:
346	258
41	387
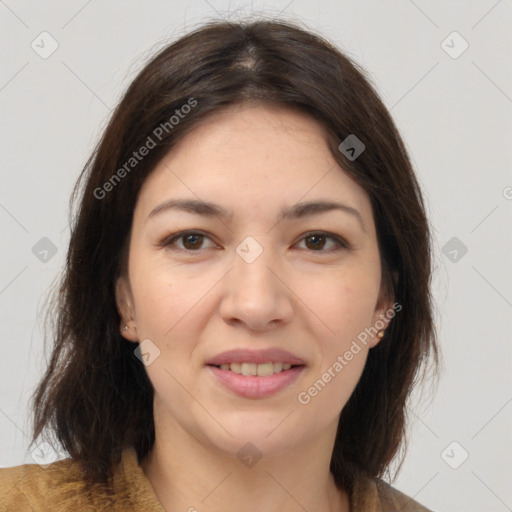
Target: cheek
168	314
158	300
347	310
345	302
170	303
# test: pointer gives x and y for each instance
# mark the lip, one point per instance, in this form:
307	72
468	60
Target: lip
256	356
252	386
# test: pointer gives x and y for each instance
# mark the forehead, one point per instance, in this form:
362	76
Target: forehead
252	157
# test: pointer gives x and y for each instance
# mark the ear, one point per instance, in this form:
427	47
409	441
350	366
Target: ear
385	310
124	302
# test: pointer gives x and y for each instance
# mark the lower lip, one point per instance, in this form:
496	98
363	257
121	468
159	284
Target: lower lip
252	386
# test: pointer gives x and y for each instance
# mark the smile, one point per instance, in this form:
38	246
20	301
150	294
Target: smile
261	370
250	380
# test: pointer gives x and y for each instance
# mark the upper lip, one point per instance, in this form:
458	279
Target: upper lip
255	356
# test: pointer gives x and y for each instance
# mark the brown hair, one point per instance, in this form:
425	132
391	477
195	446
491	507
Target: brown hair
95	395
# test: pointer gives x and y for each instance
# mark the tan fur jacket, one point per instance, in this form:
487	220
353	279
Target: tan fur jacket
59	488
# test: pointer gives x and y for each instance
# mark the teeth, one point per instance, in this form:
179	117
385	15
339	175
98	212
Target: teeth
236	367
278	367
261	370
249	369
264	370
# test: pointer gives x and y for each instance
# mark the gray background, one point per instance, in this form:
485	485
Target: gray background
454	114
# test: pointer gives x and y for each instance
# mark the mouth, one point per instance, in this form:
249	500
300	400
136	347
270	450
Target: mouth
256	374
256	381
257	369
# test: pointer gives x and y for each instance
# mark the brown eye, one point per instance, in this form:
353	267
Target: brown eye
186	241
315	242
191	242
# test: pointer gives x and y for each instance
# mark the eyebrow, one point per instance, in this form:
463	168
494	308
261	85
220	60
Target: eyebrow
297	211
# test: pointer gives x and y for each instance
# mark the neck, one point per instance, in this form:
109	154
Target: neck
192	475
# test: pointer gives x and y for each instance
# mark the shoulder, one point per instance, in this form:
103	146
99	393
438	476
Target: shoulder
60	487
396	500
32	487
375	495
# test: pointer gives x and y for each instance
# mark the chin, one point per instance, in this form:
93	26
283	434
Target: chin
265	436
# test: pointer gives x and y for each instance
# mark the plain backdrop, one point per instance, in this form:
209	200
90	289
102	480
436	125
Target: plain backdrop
453	106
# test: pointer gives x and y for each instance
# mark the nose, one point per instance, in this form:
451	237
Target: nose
256	294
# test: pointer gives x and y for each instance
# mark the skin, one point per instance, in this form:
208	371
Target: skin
253	161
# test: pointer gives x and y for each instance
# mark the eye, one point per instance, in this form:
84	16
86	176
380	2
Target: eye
316	242
191	241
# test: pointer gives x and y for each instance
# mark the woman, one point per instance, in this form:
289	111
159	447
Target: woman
246	301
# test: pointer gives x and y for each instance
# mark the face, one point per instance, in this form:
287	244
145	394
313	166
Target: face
256	274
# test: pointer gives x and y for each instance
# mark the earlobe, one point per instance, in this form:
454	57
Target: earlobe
380	333
124	302
129	331
383	315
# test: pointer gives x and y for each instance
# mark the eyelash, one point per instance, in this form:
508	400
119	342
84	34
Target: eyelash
341	243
